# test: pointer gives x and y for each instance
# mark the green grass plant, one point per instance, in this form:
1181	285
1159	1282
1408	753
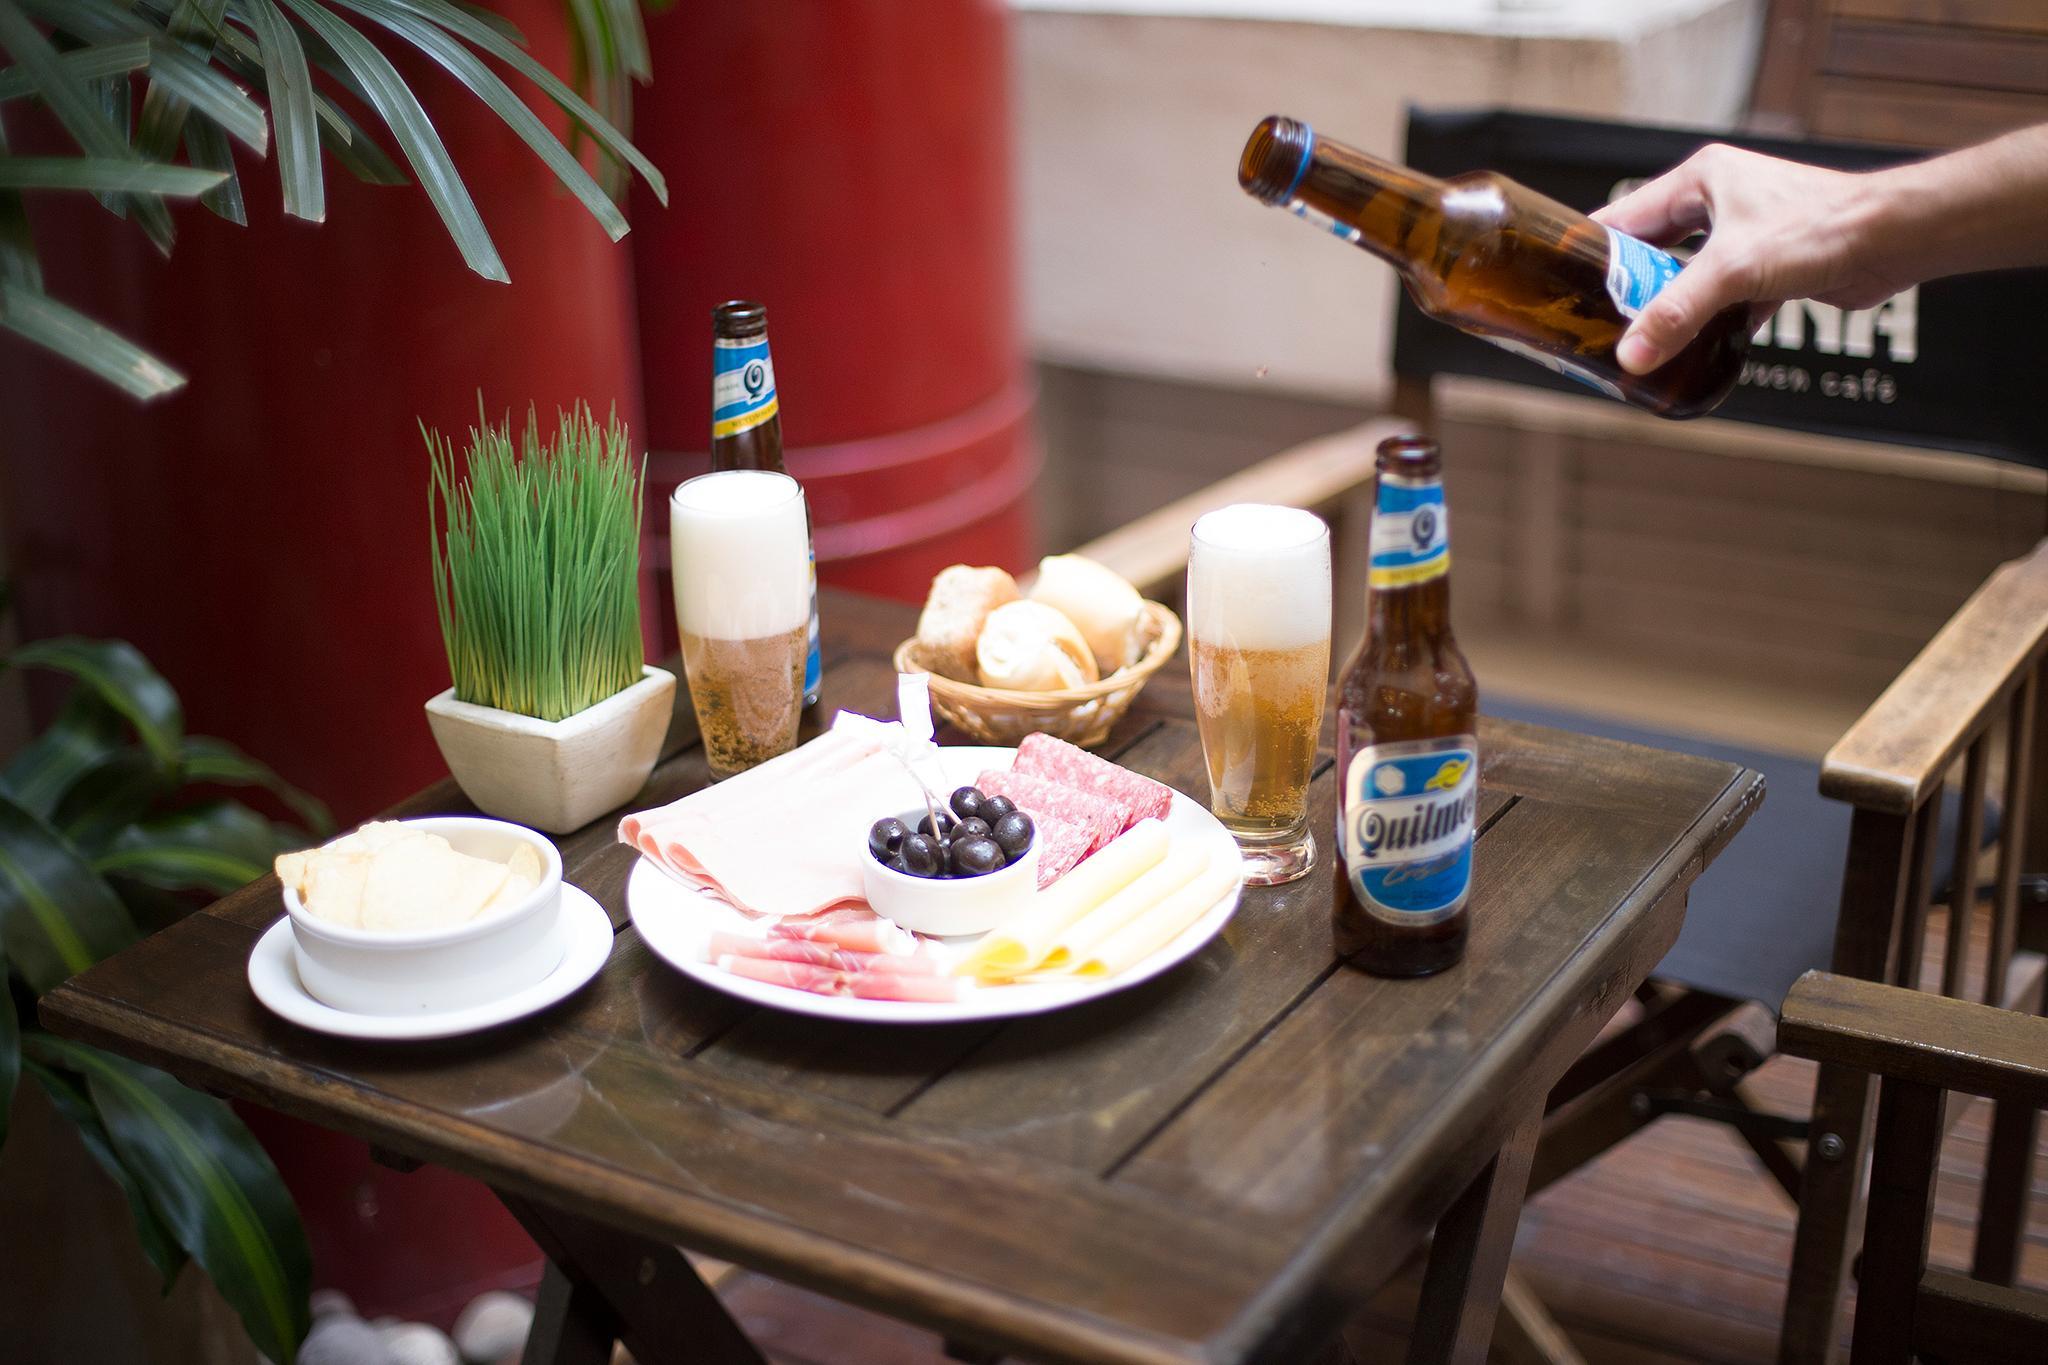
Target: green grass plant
536	558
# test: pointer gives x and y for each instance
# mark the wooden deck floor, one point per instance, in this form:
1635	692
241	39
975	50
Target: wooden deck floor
1671	1248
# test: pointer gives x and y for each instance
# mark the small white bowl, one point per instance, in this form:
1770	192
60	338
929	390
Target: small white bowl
424	971
946	906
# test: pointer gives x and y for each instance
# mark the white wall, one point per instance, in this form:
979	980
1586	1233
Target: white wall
1141	253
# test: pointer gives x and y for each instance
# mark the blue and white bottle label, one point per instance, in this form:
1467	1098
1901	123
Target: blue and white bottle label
742	385
1637	272
1342	231
1411	533
1406	827
1559	364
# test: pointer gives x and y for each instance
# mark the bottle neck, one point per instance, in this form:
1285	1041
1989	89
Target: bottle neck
746	421
1389	210
1409	578
1397	619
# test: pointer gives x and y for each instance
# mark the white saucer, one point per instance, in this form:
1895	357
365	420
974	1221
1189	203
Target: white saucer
586	942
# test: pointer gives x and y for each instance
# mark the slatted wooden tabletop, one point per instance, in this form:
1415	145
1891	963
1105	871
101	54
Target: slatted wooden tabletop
1217	1165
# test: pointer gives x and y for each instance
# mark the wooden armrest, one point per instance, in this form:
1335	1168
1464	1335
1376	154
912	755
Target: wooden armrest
1898	750
1917	1036
1152	552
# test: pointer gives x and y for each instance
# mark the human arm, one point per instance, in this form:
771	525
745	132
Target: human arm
1781	230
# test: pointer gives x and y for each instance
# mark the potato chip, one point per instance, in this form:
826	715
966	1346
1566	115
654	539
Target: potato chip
526	862
398	878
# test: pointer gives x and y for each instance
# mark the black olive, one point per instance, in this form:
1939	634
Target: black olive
976	857
1013	833
885	837
974	827
995	808
966	802
922	856
924	826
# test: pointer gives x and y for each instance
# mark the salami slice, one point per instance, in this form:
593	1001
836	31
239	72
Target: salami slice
1071	823
1136	796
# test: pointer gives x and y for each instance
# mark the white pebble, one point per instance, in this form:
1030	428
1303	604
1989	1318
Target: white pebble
415	1343
494	1326
328	1303
337	1340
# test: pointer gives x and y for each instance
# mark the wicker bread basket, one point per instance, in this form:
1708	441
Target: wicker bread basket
1079	715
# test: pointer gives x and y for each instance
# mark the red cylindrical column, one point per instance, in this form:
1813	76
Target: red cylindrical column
848	165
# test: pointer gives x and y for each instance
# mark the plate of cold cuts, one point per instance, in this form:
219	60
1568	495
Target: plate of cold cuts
754	886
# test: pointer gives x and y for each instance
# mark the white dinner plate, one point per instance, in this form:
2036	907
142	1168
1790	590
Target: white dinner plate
587	941
677	922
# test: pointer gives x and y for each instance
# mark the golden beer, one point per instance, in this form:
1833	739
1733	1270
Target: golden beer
1259	650
748	694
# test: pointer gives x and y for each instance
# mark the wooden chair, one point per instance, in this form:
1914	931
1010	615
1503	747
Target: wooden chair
1919	1048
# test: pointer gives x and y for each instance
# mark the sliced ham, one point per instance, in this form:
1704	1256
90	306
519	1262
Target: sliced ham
1055	760
863	985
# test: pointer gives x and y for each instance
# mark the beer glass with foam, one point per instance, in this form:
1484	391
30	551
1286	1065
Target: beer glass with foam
739	551
1259	641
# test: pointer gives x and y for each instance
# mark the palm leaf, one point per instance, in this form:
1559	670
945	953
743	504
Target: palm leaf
57	917
203	760
291	105
68	1097
465	67
192	26
18	264
85	736
87	63
123	679
71	100
208	147
210	1182
116	176
29	312
217	846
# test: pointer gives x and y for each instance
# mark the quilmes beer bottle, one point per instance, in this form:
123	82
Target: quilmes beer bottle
1502	262
746	422
1407	742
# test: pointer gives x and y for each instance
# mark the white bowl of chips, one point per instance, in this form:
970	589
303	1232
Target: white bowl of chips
421	916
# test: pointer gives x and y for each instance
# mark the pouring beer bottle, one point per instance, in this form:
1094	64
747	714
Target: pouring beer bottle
746	423
1407	741
1498	260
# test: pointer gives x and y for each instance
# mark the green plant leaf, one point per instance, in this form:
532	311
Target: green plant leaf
216	846
86	63
400	109
67	1096
191	77
207	146
214	1187
486	85
57	916
86	734
203	759
58	327
117	792
92	173
211	94
123	679
71	99
116	97
18	264
10	1049
485	36
191	26
291	105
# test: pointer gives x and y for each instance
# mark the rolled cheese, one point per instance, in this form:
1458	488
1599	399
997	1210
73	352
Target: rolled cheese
1022	942
1183	862
1158	926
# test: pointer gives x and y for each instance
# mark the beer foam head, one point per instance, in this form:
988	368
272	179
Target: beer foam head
1259	577
740	555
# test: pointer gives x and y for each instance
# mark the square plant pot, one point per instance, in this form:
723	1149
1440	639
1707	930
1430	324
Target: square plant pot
555	775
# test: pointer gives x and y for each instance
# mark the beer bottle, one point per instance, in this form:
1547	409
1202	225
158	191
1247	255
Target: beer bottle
1502	262
1407	743
746	423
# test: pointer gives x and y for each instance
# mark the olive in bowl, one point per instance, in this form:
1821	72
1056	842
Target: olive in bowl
954	884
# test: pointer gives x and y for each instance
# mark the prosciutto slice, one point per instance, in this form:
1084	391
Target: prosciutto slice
819	955
864	985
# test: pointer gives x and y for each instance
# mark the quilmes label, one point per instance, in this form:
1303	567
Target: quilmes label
1411	533
1406	827
742	385
1637	272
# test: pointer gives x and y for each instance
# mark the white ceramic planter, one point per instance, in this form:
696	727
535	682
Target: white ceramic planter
555	775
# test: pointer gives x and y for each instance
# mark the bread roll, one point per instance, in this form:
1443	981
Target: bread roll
1103	606
1033	648
960	601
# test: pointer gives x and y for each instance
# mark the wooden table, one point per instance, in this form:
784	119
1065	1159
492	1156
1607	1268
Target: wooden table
1218	1165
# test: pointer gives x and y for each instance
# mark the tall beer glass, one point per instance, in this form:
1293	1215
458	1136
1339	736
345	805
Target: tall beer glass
1259	638
740	554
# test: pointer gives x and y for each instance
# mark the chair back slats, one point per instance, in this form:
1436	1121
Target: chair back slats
1905	1151
2012	843
1923	833
1962	896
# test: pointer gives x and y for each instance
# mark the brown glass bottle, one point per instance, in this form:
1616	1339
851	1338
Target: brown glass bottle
1498	260
746	423
1407	738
